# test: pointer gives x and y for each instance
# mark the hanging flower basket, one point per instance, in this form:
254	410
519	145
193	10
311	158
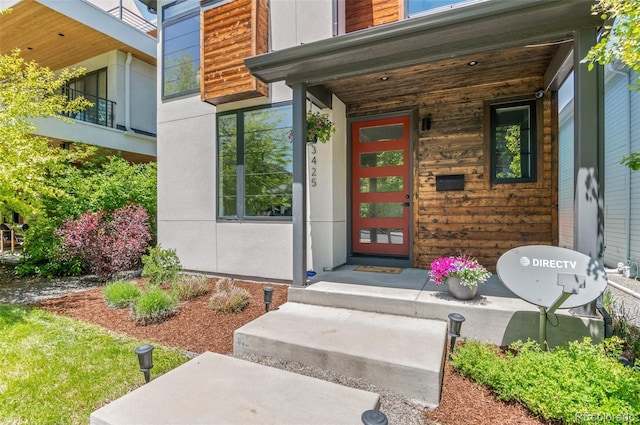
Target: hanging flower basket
319	127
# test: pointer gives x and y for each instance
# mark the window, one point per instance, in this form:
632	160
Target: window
513	142
255	163
414	7
180	48
93	87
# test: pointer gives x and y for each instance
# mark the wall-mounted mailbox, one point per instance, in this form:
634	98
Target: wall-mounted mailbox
450	182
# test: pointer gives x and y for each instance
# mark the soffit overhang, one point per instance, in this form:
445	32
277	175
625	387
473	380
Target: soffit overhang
88	31
479	28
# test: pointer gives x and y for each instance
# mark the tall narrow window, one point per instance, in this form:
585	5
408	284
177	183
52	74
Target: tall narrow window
255	163
180	48
513	142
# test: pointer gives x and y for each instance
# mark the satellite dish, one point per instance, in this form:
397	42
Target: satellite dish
541	274
551	277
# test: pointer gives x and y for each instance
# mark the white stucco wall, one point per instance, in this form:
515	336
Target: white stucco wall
187	176
143	108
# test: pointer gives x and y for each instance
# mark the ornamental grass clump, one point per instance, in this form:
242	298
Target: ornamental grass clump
154	306
189	286
470	272
121	294
228	298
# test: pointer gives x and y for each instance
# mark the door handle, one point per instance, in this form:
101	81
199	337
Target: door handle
406	204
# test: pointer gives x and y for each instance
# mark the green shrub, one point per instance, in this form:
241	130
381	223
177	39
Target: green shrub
572	384
153	306
161	265
121	294
105	184
622	328
189	286
228	298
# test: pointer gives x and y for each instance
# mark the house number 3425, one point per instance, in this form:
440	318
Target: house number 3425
313	171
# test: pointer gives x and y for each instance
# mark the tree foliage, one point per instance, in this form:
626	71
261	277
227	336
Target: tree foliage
93	186
27	161
620	39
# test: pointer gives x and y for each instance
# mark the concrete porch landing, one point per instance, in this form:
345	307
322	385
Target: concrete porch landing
217	389
495	315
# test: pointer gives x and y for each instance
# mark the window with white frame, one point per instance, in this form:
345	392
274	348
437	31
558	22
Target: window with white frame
255	163
180	48
513	142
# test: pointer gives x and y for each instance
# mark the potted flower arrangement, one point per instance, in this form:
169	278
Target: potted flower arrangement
462	274
319	127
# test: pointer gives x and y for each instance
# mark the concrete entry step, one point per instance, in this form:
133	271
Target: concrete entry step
402	354
217	389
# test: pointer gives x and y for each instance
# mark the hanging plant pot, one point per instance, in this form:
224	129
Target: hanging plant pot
312	140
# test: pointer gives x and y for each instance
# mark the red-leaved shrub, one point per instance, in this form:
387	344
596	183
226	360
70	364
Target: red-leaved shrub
107	243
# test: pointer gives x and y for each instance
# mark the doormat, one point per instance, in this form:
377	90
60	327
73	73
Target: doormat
378	269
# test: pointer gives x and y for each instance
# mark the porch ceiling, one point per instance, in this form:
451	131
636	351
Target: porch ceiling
35	29
509	40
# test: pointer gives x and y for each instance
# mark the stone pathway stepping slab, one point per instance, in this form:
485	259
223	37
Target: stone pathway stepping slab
217	389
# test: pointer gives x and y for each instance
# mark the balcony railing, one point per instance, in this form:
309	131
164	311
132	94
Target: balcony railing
101	111
133	19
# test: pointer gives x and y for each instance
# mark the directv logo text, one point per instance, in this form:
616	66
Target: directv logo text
548	264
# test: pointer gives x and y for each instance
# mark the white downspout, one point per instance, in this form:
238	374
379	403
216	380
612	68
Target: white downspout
127	92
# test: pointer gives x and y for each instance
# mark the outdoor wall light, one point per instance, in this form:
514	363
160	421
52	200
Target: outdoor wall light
374	417
455	323
426	123
145	358
268	297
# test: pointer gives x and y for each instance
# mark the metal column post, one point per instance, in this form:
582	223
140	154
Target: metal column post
299	184
588	236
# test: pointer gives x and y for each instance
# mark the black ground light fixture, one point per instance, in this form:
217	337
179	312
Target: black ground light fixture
455	323
145	358
374	417
268	296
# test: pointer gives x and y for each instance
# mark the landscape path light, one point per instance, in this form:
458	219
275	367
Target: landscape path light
145	358
374	417
455	323
268	297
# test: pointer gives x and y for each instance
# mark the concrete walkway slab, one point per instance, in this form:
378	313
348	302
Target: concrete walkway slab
217	389
402	354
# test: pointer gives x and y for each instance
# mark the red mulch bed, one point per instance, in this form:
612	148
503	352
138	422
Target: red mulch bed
194	328
197	328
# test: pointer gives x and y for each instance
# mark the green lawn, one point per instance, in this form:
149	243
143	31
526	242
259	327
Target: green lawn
56	370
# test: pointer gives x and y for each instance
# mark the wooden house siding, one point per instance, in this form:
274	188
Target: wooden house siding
231	33
361	14
484	220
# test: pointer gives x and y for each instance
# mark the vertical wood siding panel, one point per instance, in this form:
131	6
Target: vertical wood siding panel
231	33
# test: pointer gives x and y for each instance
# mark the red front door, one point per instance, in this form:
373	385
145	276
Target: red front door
380	187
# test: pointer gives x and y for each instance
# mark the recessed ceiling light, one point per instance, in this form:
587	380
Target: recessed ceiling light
472	63
29	48
385	78
60	34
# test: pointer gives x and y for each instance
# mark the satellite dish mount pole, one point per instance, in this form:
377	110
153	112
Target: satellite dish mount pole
571	284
